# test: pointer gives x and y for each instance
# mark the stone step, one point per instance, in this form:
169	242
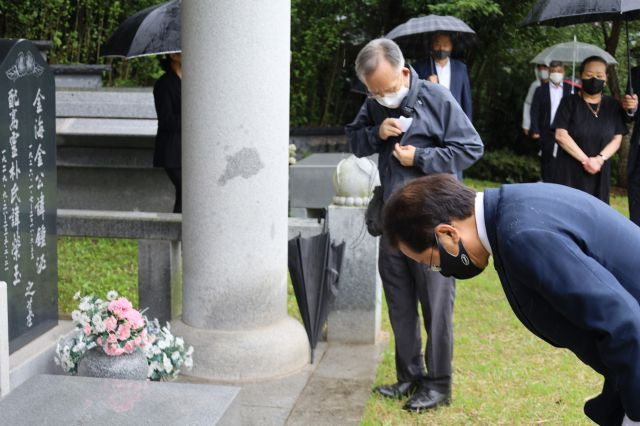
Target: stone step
67	400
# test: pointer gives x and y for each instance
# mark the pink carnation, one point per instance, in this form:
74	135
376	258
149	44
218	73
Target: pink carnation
110	323
100	341
124	331
121	304
87	329
112	338
130	346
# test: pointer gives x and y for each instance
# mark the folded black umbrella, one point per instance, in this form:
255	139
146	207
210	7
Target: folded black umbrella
559	13
152	31
414	36
314	266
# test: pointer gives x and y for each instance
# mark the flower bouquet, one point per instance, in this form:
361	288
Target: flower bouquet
116	328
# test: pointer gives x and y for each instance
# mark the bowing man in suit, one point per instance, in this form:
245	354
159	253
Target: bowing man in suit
451	73
568	265
545	103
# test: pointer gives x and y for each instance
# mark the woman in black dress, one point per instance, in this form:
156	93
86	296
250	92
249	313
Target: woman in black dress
589	129
168	150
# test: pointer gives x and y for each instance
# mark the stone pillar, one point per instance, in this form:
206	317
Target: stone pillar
355	317
234	154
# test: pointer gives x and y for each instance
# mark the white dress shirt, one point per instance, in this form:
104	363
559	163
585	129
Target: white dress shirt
482	227
444	74
556	96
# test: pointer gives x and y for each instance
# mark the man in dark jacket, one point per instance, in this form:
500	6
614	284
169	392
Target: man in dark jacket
451	73
567	262
433	136
543	110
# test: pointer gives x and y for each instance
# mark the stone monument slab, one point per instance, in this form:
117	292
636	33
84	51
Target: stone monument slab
28	260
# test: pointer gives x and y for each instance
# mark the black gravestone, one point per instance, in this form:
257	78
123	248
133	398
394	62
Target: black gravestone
28	261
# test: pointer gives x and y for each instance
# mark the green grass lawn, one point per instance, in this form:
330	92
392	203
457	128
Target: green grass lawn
502	373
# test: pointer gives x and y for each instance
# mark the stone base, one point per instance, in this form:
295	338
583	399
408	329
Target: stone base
356	313
240	356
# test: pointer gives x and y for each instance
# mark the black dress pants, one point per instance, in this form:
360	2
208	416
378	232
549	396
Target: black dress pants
175	175
406	282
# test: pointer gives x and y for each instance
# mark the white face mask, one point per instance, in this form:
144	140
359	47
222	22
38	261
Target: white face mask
392	100
556	77
543	74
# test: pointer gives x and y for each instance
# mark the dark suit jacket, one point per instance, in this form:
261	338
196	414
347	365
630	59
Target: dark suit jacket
460	86
167	97
635	137
541	110
569	267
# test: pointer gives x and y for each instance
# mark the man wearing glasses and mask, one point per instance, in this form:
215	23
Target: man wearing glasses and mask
567	262
417	128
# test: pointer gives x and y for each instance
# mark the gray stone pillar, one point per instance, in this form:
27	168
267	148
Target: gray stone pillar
355	317
235	114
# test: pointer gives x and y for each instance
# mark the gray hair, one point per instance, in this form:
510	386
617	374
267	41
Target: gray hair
369	57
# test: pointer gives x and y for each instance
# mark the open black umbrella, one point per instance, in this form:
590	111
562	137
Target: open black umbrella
559	13
314	265
152	31
413	36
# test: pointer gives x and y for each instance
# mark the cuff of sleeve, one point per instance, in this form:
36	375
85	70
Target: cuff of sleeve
418	158
632	113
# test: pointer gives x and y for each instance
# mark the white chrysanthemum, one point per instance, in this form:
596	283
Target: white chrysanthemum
190	350
188	362
168	366
76	295
75	315
163	344
112	295
83	319
180	341
84	305
156	350
175	356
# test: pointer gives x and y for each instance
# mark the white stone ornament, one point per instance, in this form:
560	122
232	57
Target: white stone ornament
354	181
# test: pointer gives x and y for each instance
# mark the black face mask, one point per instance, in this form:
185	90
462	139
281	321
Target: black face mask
593	85
460	266
440	54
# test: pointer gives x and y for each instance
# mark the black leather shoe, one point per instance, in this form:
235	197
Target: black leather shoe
426	399
397	390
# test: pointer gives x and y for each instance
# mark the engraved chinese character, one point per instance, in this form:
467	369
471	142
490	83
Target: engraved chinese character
38	128
40	205
41	264
15	247
13	98
14	216
39	154
14	171
41	236
17	275
38	102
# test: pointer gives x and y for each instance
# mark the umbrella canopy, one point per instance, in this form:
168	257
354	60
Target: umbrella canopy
413	36
572	51
152	31
314	266
567	12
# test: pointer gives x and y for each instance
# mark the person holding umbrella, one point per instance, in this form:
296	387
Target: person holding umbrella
567	262
416	128
451	73
589	129
168	149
